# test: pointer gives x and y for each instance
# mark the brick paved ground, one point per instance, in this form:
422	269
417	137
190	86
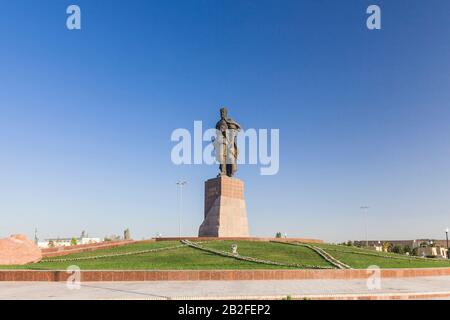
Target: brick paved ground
432	287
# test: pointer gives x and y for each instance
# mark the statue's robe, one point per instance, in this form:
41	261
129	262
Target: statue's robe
226	147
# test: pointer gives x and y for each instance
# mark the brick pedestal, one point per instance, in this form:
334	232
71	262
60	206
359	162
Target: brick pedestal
225	211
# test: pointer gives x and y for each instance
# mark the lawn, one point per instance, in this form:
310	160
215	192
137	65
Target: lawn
187	258
360	258
184	258
272	251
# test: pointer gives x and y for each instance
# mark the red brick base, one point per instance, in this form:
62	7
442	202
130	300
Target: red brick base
191	275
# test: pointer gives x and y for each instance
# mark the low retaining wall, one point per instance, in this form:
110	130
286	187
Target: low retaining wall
196	275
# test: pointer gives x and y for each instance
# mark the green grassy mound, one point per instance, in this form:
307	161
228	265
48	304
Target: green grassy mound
171	255
273	251
359	258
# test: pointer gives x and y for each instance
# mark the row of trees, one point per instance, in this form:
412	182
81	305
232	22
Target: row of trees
388	247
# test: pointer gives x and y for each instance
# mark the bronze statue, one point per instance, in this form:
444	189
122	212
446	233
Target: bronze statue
225	144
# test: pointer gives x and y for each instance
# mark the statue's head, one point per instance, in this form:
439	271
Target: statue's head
223	113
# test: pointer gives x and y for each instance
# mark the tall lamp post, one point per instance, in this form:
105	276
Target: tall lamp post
180	184
365	209
448	251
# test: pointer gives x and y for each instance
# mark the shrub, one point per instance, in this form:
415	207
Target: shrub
73	241
407	248
398	249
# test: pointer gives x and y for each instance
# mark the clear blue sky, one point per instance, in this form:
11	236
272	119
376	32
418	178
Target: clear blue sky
86	116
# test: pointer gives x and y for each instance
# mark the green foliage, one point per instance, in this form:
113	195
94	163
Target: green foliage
406	249
278	235
398	249
358	244
73	241
112	237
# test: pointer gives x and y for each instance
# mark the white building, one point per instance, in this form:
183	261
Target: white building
66	242
433	252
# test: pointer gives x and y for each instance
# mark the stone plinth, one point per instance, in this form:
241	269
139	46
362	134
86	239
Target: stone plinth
225	210
18	250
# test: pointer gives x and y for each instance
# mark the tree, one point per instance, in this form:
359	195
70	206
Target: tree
73	241
112	238
407	248
278	235
387	246
51	244
424	244
349	243
398	249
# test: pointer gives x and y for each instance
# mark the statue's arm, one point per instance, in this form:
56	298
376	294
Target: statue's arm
233	123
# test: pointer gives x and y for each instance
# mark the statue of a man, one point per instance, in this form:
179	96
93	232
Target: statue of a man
225	144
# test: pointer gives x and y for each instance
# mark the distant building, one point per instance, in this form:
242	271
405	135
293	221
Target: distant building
432	252
378	248
127	234
425	247
66	242
411	243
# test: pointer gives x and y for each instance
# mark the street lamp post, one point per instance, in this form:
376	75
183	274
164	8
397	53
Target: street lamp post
365	209
180	184
448	251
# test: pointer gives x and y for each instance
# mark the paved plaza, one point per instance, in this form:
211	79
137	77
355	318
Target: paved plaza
427	287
